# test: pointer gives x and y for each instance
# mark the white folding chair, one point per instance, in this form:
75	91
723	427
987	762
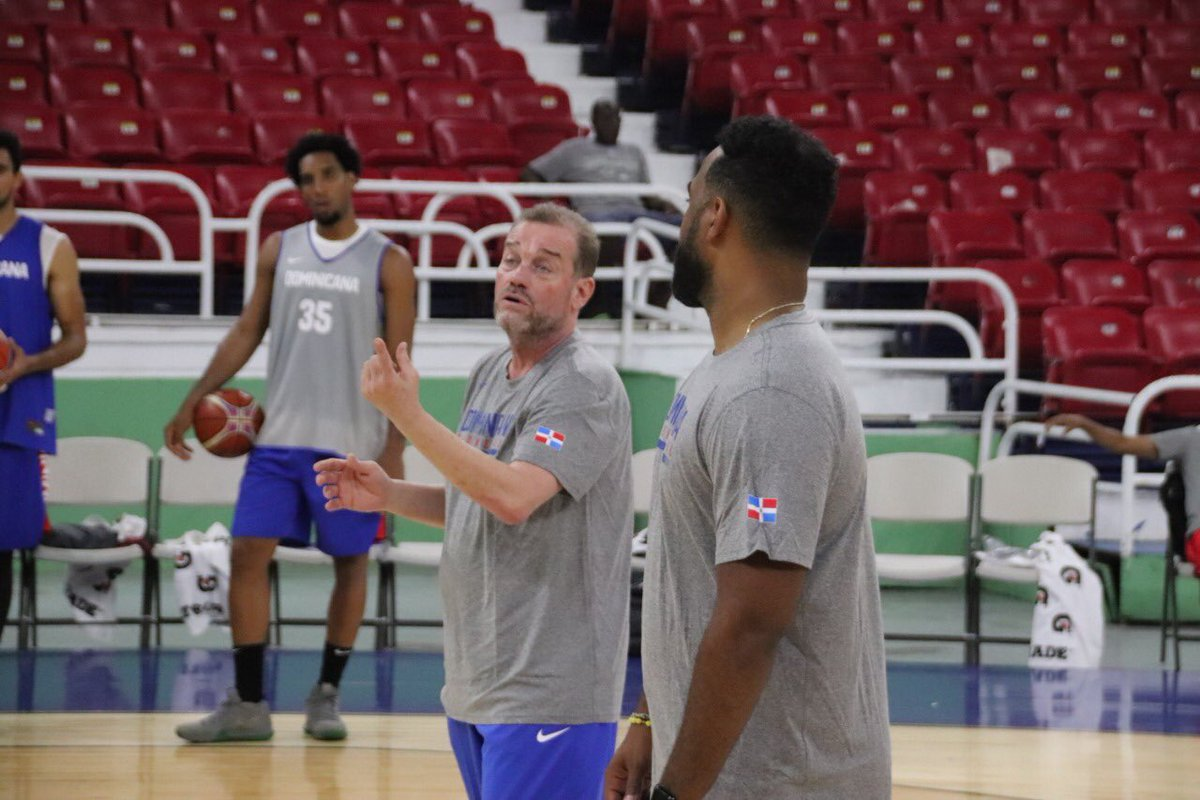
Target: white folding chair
643	491
95	471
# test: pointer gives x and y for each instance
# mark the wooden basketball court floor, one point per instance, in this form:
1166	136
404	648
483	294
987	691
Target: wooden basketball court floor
99	724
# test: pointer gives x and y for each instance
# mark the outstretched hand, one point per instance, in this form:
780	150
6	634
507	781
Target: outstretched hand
1068	422
354	485
392	386
17	364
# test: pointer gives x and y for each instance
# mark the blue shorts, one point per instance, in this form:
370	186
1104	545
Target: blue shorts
279	499
21	497
517	762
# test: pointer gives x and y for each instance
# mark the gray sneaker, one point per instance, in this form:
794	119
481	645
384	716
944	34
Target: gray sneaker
235	720
322	720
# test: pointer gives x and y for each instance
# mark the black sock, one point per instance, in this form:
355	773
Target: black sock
333	662
6	583
248	670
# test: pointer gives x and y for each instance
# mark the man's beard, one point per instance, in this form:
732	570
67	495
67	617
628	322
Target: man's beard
693	275
330	219
531	326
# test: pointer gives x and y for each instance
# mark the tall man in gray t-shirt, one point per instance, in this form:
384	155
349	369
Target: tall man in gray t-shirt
538	516
762	645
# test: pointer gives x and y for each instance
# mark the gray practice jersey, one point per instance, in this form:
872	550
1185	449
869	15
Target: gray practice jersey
537	613
763	451
325	315
584	160
1183	444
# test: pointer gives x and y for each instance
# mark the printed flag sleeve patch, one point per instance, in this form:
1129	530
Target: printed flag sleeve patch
551	438
762	509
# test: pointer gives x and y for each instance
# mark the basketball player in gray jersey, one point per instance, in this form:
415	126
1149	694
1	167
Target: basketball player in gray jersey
327	289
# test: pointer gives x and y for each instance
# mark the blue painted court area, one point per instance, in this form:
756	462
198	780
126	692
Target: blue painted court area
1149	701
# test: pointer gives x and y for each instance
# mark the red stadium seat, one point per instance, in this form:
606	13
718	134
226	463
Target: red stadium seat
1093	190
757	10
390	142
873	38
898	205
979	12
403	61
352	95
1048	112
666	33
86	47
212	16
1174	190
206	137
947	39
171	49
1138	11
1185	11
1171	74
1174	283
107	86
472	142
378	21
250	52
1003	75
323	56
904	12
237	186
1004	191
1034	286
39	126
627	26
827	11
998	149
707	87
1135	112
711	35
538	116
1147	236
22	83
1187	110
463	209
752	75
965	111
859	153
1096	347
119	13
1058	236
1089	39
1106	150
276	133
924	74
259	93
1056	12
295	17
175	89
42	12
1172	149
807	109
962	238
1173	340
112	134
797	37
454	24
20	43
843	74
1026	39
174	211
437	99
1172	39
1090	74
886	111
1105	282
91	241
487	63
939	152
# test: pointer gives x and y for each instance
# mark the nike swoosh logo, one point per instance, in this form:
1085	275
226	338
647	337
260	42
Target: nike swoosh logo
293	259
543	737
337	651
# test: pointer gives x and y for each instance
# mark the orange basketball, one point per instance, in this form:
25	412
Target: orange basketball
227	422
6	353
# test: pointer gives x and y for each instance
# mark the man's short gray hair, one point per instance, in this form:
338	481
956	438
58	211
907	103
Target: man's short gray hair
587	243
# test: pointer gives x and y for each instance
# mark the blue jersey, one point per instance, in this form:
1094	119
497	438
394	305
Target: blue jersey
27	406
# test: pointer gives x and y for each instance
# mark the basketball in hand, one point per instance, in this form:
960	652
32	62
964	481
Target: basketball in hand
227	422
6	353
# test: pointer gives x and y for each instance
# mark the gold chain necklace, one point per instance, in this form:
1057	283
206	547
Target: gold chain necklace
768	311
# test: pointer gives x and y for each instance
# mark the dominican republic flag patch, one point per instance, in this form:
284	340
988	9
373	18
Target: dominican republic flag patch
762	509
551	438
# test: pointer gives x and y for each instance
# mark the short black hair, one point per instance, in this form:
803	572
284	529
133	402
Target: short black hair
321	142
10	142
780	182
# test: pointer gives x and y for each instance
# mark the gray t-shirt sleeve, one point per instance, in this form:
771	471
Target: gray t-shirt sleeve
553	165
571	431
770	456
1175	443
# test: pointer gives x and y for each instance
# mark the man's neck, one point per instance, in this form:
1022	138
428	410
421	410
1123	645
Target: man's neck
8	218
741	295
344	228
526	353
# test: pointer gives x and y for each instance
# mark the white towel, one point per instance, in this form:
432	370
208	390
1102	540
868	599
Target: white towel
91	590
202	578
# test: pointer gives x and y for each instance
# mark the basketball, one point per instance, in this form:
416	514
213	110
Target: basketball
227	422
5	351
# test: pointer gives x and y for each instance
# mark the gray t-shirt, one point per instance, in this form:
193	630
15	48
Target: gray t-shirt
537	614
584	160
763	450
1183	444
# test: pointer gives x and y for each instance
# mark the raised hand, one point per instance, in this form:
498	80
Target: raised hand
392	386
348	483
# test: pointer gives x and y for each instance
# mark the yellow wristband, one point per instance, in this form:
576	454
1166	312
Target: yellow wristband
638	718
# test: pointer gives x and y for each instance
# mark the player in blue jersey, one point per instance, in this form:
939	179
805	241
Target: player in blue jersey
39	284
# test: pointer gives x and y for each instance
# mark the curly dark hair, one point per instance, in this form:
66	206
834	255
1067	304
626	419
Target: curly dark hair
334	143
779	181
10	142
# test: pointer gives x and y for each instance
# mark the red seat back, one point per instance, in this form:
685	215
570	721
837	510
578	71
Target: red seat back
1058	236
1092	190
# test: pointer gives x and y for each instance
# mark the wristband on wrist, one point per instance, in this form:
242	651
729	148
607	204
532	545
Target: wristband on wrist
660	792
638	718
